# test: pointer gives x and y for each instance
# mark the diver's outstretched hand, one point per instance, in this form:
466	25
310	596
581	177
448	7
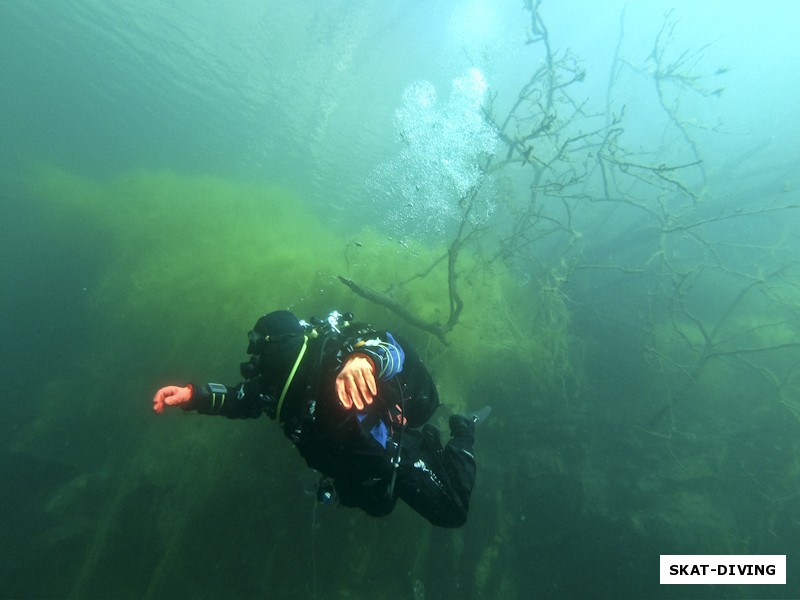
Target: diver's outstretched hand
171	395
355	384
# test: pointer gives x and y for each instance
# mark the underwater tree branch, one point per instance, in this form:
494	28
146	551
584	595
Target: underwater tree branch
713	344
396	307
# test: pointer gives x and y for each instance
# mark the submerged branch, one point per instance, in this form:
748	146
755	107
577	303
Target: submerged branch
396	307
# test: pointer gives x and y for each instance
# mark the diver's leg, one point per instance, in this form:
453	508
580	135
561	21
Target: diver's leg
459	457
436	481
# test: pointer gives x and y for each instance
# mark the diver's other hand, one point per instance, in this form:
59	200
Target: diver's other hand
355	384
171	395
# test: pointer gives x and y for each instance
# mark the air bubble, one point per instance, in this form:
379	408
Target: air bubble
439	162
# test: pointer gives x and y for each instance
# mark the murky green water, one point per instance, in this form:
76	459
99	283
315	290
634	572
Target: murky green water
620	214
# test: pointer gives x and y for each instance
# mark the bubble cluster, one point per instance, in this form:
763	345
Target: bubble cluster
421	189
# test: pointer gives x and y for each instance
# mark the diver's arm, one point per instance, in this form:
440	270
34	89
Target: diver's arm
239	402
386	355
364	358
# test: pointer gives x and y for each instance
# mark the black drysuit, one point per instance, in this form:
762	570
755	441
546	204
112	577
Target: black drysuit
371	456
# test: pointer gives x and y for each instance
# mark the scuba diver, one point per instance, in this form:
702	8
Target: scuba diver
355	402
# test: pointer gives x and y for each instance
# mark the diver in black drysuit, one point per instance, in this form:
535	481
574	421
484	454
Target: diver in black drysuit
370	449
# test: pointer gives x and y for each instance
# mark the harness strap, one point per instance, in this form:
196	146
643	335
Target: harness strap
291	377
